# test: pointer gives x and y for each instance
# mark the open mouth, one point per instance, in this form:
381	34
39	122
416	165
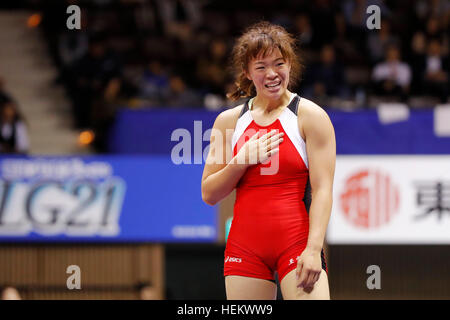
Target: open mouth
273	85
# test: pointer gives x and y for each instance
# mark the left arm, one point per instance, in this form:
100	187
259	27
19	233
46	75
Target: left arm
321	151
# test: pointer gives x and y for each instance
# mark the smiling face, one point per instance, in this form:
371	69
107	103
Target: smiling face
265	62
270	74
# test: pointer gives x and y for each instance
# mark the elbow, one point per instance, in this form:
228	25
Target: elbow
207	198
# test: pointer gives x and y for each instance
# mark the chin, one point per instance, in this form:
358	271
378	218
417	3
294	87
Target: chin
276	95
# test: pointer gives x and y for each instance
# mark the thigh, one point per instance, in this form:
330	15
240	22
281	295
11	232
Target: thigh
320	291
247	288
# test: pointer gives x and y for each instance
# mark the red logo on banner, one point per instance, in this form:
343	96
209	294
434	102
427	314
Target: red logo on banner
369	199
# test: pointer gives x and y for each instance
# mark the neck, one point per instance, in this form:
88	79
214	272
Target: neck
269	105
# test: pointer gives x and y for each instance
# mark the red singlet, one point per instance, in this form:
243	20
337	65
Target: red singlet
270	222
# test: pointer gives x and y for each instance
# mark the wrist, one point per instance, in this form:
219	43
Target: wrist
314	247
238	163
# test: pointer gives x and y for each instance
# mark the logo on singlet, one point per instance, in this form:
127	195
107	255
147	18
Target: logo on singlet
291	261
233	259
370	199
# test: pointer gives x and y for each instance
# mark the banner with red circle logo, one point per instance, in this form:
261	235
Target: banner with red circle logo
391	200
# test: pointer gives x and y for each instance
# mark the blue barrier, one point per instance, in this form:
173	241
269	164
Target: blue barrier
360	132
103	199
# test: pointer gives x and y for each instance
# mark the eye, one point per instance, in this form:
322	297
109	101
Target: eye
259	68
280	64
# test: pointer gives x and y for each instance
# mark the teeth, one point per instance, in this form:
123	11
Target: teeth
273	85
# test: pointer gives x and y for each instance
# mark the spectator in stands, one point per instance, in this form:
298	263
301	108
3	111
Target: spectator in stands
379	40
346	51
8	292
355	13
304	30
211	69
192	37
72	46
4	97
154	84
436	71
326	78
182	96
417	61
180	17
13	130
392	77
436	8
434	30
322	20
95	76
439	8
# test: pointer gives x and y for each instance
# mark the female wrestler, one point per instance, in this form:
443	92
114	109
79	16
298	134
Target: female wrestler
280	218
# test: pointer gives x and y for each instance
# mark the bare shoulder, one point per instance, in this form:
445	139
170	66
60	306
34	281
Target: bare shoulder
313	119
309	109
227	119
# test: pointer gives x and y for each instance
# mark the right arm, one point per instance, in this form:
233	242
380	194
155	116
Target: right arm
221	175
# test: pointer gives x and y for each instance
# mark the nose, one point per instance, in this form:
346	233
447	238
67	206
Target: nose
271	73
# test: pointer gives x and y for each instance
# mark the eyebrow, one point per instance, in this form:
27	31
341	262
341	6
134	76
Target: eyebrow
261	62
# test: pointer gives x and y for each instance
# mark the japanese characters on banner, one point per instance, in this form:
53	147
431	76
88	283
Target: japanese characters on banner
391	200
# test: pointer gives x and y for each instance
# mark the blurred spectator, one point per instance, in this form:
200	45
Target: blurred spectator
436	71
305	34
417	61
13	130
4	97
434	29
210	68
439	8
392	77
182	46
180	17
379	40
355	13
72	46
304	30
345	49
180	95
9	293
326	78
322	20
97	75
154	84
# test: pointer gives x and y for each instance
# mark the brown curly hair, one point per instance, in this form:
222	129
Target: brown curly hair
262	38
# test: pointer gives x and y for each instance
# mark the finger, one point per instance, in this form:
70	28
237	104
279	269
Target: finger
271	133
275	144
254	137
303	277
272	143
273	152
309	283
298	272
317	277
268	142
274	138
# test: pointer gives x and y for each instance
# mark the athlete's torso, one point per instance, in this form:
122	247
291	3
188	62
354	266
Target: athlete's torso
269	197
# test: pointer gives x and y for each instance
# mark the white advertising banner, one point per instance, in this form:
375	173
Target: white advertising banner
391	200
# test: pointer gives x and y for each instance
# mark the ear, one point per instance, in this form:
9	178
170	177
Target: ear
247	74
289	65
